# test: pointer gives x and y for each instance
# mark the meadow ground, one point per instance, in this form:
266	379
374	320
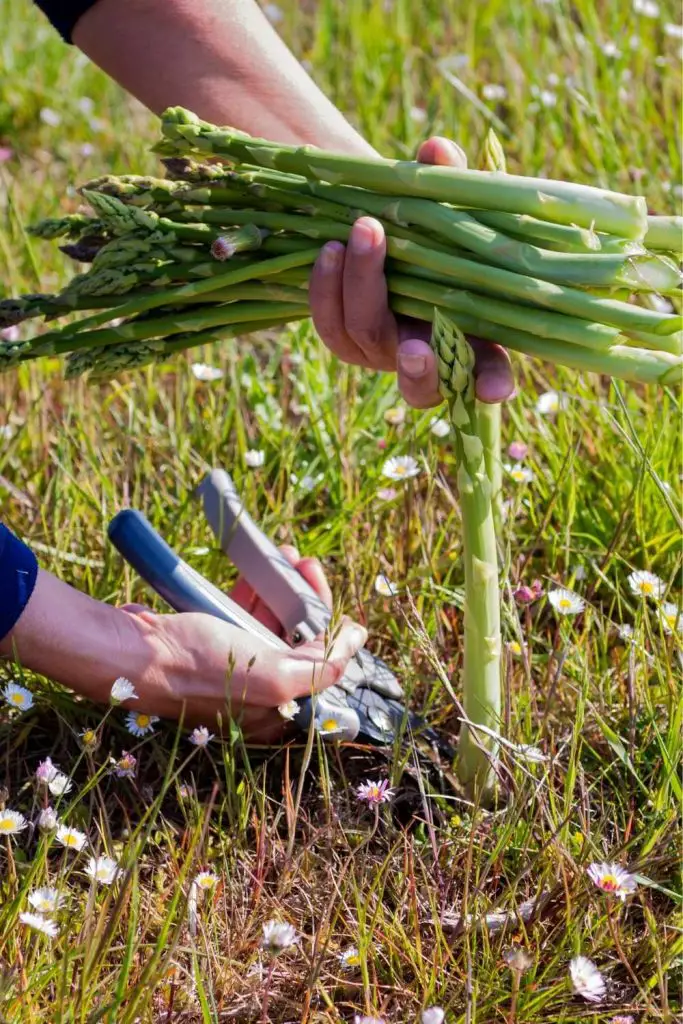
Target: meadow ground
588	90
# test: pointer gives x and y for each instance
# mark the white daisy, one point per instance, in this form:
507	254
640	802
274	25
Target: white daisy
201	736
565	602
387	493
418	114
60	784
122	689
433	1015
515	648
400	467
206	373
373	793
71	838
610	49
673	31
40	924
648	8
520	474
671	617
277	935
125	767
493	91
612	878
289	710
395	416
206	880
368	1020
439	427
586	979
349	958
102	869
385	587
11	822
550	402
18	697
50	117
46	900
47	820
46	771
254	458
328	726
646	584
89	739
139	723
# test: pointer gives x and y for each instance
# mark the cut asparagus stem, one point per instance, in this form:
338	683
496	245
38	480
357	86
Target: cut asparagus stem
557	201
481	683
496	281
665	233
545	323
621	361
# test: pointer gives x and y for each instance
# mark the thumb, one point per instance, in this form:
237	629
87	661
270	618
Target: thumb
443	152
313	667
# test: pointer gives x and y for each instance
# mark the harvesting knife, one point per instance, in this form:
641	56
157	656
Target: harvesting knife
366	704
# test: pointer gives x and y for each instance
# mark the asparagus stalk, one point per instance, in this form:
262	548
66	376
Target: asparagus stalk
179	321
222	279
557	201
562	237
481	683
665	233
622	362
498	282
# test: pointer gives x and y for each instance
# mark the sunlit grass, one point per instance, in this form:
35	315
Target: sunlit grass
605	710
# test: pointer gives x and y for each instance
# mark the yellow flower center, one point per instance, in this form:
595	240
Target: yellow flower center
329	725
6	824
70	839
89	736
353	959
400	470
670	620
515	647
646	587
143	721
44	906
609	883
18	699
565	602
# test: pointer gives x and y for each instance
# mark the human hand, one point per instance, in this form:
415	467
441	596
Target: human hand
348	297
204	668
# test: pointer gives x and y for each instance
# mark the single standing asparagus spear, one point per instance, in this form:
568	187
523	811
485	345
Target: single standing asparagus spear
481	686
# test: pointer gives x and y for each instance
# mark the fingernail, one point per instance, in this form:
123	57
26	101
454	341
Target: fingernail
363	238
412	365
331	255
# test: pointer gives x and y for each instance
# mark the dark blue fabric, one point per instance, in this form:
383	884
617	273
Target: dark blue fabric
64	15
18	573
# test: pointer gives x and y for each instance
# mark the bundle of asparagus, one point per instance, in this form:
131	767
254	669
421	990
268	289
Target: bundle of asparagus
568	273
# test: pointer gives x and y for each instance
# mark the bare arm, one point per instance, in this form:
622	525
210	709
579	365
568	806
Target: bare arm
220	58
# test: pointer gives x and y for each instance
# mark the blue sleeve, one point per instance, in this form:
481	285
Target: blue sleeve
18	574
65	13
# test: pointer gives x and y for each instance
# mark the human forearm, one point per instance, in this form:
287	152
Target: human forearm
76	640
220	58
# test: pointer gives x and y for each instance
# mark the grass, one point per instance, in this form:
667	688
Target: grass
606	712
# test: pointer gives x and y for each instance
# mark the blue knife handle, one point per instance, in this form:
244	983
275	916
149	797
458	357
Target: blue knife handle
181	586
